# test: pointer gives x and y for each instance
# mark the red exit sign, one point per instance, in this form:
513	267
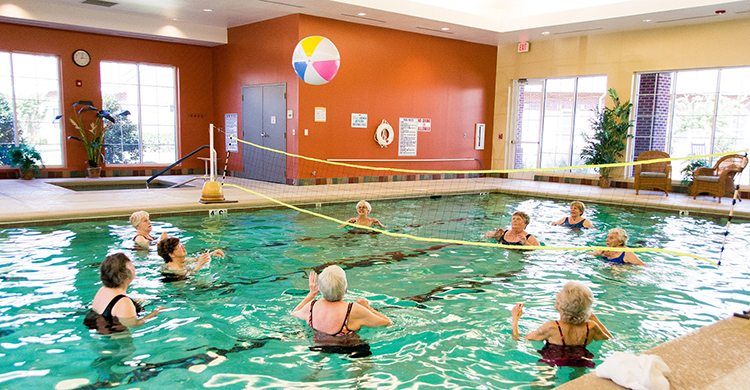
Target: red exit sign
523	47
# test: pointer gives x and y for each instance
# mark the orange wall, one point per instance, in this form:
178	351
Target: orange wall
388	74
195	98
259	53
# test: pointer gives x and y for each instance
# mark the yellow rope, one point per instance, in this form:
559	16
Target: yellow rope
461	242
657	160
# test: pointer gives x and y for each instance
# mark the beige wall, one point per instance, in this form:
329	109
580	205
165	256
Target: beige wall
619	56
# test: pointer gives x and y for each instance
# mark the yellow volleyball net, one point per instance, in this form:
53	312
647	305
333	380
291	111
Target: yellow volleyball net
462	205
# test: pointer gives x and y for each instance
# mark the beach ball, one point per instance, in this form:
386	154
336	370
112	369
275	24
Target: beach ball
316	60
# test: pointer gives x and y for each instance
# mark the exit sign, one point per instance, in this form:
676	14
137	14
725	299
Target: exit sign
523	47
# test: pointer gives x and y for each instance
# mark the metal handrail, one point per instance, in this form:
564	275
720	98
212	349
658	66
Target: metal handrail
175	163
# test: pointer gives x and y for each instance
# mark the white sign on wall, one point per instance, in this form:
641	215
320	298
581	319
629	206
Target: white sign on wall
320	114
230	130
359	120
407	137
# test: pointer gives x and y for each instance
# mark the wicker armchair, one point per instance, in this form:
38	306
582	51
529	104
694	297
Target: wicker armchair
719	180
657	175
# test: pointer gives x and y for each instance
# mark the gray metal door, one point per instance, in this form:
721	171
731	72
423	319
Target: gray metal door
264	123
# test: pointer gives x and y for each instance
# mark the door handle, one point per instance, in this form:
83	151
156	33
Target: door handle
263	135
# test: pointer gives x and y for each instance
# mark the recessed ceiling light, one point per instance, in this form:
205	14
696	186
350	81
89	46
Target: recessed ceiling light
646	20
207	10
545	32
361	14
445	29
175	19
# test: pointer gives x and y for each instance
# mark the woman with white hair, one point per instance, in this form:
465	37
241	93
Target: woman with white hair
363	209
566	339
142	224
332	316
616	238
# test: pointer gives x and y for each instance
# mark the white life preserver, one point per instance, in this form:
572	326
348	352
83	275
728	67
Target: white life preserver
384	134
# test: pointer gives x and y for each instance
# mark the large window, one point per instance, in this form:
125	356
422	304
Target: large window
552	116
29	103
693	112
148	135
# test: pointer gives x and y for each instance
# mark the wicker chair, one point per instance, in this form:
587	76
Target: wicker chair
657	175
719	180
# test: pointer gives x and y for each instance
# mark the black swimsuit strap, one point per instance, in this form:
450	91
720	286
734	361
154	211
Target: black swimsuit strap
561	335
312	303
585	340
107	313
346	318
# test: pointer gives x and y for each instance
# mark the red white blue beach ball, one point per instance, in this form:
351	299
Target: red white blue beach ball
316	60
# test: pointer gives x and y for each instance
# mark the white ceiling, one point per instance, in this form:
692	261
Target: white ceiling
490	22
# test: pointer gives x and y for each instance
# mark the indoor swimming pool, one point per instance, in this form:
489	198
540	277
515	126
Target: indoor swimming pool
229	327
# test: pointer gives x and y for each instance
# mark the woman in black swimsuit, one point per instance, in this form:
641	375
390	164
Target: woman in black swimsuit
142	224
517	234
567	338
112	311
332	316
363	209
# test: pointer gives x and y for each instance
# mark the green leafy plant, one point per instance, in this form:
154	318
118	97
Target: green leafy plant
687	172
610	126
91	125
26	158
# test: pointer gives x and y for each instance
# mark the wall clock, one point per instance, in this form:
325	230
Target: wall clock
81	57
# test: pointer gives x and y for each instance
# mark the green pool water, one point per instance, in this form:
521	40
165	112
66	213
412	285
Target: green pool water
230	327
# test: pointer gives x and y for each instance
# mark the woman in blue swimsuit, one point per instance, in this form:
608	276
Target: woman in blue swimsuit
331	316
616	238
566	339
112	310
575	221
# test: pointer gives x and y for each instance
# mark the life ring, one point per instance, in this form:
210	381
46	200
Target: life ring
384	134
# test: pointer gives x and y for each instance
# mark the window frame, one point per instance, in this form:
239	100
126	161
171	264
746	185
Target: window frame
60	124
139	124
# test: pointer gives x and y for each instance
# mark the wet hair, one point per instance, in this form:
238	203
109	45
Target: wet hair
332	283
574	303
366	203
167	246
523	216
137	217
622	235
114	271
579	205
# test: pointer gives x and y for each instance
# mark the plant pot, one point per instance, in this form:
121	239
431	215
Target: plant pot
28	175
605	182
94	172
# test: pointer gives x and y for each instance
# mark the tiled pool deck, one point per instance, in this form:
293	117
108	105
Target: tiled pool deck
714	357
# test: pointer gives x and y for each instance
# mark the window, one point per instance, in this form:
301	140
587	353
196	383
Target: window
693	112
552	117
148	135
29	103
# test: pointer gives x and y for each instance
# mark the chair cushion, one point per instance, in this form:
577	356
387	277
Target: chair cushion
712	179
653	174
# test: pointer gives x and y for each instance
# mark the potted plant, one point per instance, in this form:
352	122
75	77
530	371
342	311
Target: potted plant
687	172
89	121
607	144
26	158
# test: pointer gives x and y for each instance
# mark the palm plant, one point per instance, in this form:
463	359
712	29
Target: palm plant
89	121
610	125
26	158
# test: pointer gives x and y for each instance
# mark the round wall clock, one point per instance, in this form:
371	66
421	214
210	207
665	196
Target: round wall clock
81	57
